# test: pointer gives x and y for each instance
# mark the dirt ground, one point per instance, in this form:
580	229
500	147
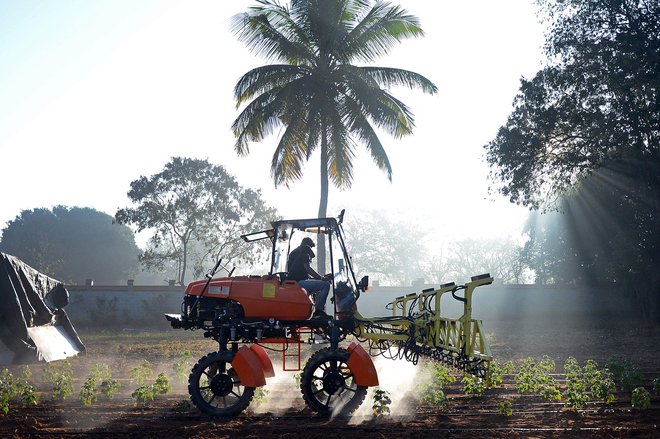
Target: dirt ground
283	413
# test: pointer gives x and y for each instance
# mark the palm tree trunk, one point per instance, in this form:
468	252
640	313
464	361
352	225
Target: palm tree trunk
323	205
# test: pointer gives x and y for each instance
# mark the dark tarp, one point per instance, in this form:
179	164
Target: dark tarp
33	325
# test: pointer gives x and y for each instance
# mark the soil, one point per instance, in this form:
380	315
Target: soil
283	413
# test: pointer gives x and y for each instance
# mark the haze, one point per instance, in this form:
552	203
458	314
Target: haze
95	94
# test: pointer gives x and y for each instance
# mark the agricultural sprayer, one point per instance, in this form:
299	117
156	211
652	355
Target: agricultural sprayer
271	310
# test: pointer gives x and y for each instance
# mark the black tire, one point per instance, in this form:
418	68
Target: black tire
215	388
328	386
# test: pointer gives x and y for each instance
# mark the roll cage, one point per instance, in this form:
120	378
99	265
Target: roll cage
281	235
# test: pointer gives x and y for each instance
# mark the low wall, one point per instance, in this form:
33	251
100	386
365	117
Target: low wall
133	306
123	305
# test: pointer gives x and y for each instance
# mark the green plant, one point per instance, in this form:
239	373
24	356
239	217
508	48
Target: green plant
472	385
297	377
494	374
441	375
545	383
525	378
63	387
4	402
28	393
101	372
382	401
147	392
640	398
504	408
656	386
143	394
8	390
260	395
140	374
12	387
162	385
26	373
625	372
59	375
508	368
182	406
550	392
182	366
576	386
536	377
110	387
88	391
433	391
601	382
434	395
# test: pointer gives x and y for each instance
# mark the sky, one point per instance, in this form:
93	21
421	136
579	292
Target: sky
94	94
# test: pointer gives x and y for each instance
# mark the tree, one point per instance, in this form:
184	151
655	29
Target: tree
607	234
72	244
322	99
595	102
583	137
196	210
470	257
388	251
550	251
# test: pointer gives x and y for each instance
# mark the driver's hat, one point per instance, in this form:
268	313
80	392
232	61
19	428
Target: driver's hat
308	242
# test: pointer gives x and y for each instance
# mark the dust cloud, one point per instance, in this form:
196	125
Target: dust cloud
397	377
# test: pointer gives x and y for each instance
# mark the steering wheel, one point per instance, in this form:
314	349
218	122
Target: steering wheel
282	275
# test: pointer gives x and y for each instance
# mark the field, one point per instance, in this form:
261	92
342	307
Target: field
280	411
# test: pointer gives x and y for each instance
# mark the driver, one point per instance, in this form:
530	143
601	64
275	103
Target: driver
301	271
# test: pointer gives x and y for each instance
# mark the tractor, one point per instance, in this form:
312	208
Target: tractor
245	313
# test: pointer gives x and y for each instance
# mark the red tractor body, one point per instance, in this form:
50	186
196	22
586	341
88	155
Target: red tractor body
260	297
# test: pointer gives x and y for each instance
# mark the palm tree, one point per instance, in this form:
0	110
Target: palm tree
316	92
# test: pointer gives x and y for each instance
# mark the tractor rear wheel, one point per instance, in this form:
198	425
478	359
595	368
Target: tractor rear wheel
215	388
328	385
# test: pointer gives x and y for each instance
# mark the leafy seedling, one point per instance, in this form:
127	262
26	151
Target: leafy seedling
382	401
640	398
504	408
89	391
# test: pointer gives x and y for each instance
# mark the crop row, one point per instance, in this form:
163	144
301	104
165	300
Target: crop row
583	383
58	379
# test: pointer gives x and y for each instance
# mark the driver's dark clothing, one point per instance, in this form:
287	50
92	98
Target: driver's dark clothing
298	258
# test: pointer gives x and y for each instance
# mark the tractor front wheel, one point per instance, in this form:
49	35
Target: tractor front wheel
215	388
328	385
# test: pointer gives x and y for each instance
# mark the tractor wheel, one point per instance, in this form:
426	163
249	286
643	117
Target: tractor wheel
328	385
215	388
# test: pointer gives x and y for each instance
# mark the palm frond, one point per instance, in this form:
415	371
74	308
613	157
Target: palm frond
257	120
375	35
367	98
391	77
341	151
266	78
268	111
269	31
313	127
362	129
405	120
290	155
